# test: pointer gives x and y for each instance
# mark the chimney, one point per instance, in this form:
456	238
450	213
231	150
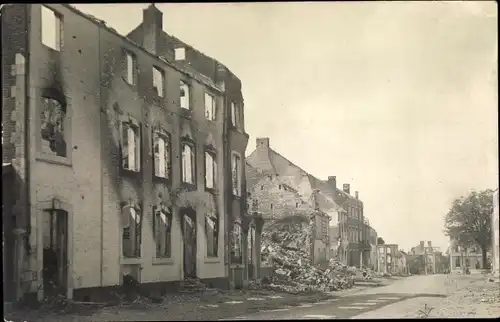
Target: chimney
152	28
332	181
422	245
347	188
429	244
356	193
262	143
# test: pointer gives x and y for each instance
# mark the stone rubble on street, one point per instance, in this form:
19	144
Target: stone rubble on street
287	248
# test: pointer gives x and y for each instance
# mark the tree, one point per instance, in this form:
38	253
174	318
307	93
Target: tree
469	221
380	241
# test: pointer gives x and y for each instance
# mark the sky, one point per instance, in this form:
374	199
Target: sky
399	99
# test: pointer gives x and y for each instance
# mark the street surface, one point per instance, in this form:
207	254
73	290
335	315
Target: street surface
472	295
365	301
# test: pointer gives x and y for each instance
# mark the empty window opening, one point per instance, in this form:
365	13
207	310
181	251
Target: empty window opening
279	187
271	206
130	147
296	205
212	233
234	115
131	68
250	244
131	238
158	81
188	161
184	95
52	127
51	28
237	244
162	227
261	187
161	148
210	170
180	53
236	174
209	107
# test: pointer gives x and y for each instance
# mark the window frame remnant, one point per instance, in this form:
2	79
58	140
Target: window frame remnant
162	231
237	243
210	107
131	227
131	146
188	177
236	174
159	81
130	68
234	114
162	161
184	96
212	233
210	169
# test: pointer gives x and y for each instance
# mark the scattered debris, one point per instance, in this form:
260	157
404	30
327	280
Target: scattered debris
286	245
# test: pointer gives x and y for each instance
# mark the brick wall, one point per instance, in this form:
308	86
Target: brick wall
277	200
15	42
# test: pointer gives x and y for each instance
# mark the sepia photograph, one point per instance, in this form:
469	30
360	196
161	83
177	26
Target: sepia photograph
307	160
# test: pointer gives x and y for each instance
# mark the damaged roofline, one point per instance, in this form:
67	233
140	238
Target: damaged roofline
101	23
202	53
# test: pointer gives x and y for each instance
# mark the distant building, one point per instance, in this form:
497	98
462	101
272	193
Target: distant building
428	254
372	239
462	257
387	262
400	265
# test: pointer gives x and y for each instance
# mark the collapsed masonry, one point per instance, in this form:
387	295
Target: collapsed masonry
286	246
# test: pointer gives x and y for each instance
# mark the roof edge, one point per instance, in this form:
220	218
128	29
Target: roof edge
176	66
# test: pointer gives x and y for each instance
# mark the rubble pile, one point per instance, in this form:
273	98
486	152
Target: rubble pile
286	248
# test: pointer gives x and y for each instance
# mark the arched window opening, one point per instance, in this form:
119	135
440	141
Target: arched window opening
52	119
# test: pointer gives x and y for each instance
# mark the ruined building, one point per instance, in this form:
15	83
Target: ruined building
127	154
351	244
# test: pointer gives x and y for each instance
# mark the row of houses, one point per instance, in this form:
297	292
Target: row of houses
279	188
123	156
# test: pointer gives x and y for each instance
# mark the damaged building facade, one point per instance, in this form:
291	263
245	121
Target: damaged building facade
132	162
276	200
344	211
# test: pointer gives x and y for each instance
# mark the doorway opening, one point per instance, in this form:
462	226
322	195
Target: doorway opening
55	251
188	221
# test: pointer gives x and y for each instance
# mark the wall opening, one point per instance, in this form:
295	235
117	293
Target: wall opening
55	251
188	220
